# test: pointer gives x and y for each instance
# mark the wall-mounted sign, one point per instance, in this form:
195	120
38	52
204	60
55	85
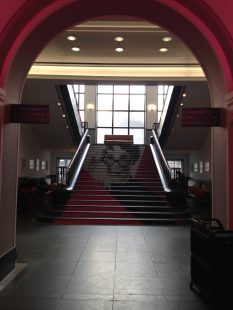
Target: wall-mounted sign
30	113
201	117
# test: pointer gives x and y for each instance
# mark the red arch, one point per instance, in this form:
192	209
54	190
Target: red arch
37	23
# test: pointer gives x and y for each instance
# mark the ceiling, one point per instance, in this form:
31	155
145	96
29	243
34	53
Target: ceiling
140	60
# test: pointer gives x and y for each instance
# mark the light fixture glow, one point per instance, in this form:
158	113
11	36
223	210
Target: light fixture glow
75	49
59	103
119	49
71	38
167	39
90	106
119	39
181	103
184	94
163	49
63	115
152	107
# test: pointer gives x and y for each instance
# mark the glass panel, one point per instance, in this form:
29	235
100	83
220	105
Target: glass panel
104	119
82	115
105	89
101	132
76	88
159	116
82	88
138	135
121	89
160	89
120	119
104	102
160	102
136	119
137	89
121	102
81	101
71	92
120	131
137	102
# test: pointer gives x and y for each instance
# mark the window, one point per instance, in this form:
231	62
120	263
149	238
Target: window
77	94
62	165
121	110
174	166
164	96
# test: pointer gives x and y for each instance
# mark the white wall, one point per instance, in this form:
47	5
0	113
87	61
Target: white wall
202	155
30	149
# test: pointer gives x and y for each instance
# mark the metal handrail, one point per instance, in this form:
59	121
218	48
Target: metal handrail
77	160
164	169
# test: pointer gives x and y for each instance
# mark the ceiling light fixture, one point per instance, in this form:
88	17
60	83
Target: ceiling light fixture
152	107
163	49
184	94
59	103
71	38
63	115
75	49
167	39
119	49
119	39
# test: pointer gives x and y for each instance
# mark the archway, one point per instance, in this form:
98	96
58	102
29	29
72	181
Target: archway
40	23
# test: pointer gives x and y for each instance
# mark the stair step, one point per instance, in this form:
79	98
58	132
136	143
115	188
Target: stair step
113	221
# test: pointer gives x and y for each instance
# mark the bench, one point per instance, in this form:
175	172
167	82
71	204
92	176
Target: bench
118	139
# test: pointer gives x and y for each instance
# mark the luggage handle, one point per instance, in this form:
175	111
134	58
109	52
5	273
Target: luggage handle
208	222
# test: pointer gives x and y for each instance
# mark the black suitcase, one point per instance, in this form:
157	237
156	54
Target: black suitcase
212	262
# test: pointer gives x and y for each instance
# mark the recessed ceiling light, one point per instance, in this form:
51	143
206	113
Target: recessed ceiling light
119	39
75	49
63	115
59	103
167	39
184	94
181	103
163	49
119	49
71	38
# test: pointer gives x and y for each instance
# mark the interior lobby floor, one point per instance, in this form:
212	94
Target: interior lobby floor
101	268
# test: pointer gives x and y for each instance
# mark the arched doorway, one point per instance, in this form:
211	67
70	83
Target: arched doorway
37	24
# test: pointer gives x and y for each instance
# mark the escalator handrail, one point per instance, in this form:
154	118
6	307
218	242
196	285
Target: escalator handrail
162	161
77	159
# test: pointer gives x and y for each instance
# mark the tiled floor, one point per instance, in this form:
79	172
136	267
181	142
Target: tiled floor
101	268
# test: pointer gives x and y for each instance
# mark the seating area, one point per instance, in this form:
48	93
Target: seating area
33	193
118	139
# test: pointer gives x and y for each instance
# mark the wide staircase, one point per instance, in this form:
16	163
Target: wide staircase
117	185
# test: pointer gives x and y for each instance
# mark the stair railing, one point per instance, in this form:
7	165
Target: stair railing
77	161
160	161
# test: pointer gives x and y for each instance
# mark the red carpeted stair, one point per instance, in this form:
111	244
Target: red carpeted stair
118	185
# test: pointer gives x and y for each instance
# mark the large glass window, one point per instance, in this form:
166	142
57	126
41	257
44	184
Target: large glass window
121	110
164	96
77	93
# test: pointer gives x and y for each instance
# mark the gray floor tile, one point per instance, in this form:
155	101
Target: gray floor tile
137	285
130	257
101	257
135	269
185	305
139	305
85	305
90	285
88	269
29	304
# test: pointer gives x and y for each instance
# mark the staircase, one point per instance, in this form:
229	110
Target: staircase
118	185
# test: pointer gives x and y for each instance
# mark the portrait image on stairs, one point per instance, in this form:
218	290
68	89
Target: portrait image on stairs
118	164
